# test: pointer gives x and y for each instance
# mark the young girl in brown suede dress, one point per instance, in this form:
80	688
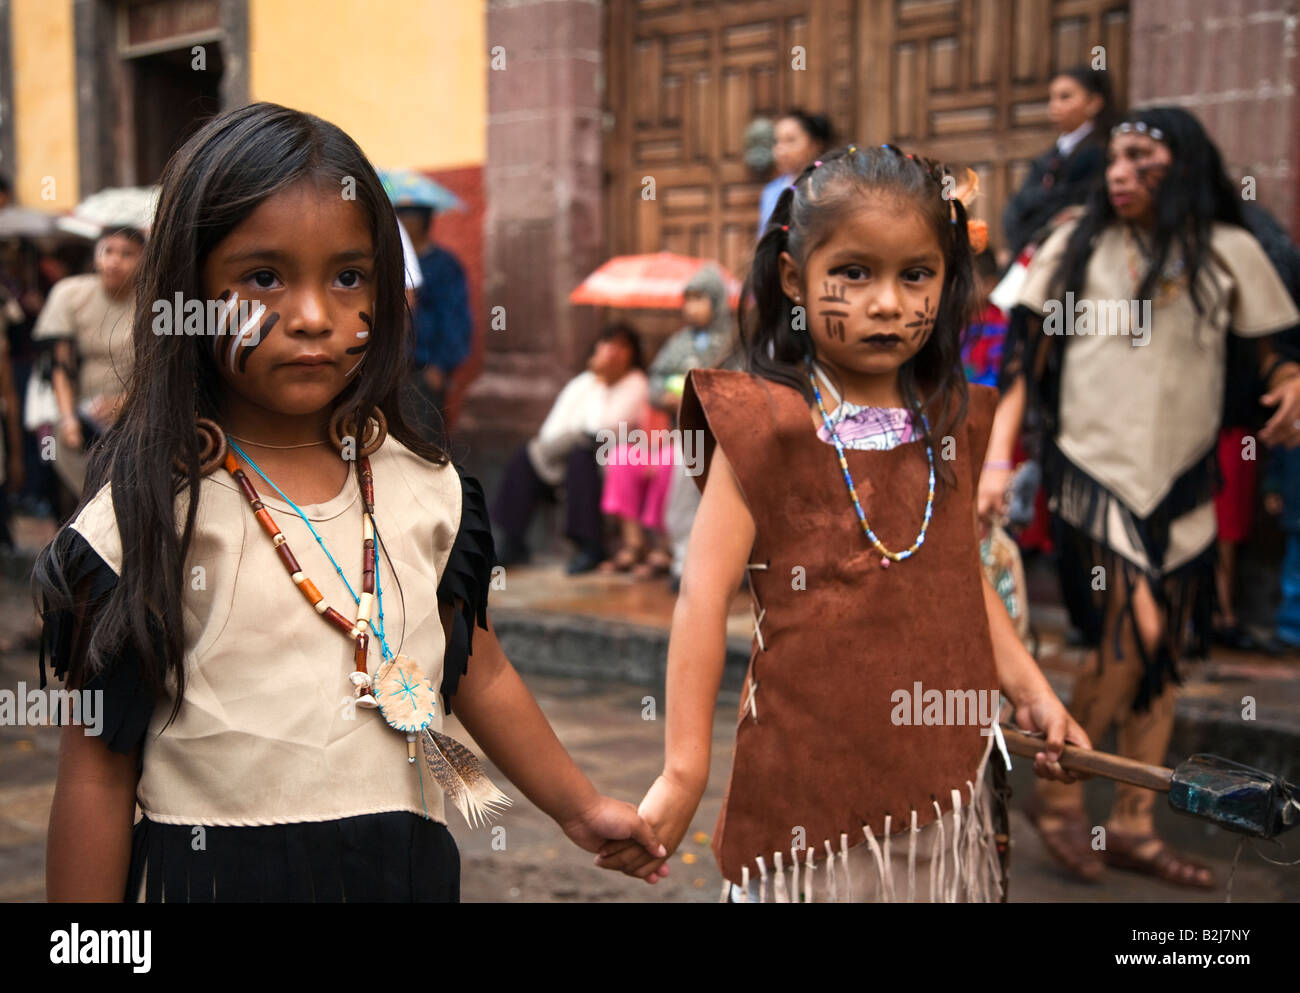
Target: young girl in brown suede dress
841	473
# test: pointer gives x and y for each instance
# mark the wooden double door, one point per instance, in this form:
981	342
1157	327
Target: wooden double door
960	80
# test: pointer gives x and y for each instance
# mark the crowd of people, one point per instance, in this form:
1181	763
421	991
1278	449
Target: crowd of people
868	416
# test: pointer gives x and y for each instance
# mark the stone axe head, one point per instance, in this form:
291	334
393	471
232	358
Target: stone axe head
1226	793
1234	796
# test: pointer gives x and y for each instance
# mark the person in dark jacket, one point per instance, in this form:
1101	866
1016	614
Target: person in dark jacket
1082	110
443	328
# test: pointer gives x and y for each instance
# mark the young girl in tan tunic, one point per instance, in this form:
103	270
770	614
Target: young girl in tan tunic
841	473
282	743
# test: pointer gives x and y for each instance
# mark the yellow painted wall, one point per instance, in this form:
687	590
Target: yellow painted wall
45	103
407	79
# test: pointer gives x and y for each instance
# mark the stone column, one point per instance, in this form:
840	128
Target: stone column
543	230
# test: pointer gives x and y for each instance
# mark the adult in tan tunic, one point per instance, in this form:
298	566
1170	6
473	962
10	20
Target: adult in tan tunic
89	318
1129	365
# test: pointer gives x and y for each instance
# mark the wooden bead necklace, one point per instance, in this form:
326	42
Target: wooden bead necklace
886	555
399	689
360	629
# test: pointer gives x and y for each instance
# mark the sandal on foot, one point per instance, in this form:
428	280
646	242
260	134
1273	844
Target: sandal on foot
1122	851
1067	840
657	563
626	559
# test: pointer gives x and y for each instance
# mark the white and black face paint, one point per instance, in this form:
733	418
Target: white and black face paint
363	341
239	332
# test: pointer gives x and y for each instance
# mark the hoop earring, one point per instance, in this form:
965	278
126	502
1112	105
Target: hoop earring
212	448
375	433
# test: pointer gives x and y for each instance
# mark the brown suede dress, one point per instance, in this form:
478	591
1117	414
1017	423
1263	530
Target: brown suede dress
818	754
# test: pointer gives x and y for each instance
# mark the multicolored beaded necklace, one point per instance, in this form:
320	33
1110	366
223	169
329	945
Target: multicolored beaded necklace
886	555
399	689
359	630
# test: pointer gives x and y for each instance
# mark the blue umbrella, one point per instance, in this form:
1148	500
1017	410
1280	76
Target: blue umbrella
408	188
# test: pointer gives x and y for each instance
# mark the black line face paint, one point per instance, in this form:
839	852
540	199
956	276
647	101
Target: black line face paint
246	350
833	293
835	328
924	322
364	338
363	335
240	328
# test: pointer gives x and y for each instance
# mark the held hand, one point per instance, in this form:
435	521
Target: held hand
609	820
668	807
1047	714
1281	430
991	500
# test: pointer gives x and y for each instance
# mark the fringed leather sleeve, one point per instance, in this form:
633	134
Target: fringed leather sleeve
466	578
127	701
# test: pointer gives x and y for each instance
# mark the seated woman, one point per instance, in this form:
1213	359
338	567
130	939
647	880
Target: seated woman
613	390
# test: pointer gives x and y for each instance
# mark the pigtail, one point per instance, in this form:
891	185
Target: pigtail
769	343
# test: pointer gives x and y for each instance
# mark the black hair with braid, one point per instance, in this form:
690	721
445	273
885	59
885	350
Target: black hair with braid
805	217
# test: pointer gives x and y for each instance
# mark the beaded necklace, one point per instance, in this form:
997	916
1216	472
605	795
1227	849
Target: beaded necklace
379	588
399	689
886	555
359	630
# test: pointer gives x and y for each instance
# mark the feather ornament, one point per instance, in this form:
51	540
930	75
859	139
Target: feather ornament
460	775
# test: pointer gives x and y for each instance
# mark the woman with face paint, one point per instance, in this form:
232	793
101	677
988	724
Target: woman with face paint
274	580
1122	340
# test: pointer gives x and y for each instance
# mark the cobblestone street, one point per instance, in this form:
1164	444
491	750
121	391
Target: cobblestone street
601	724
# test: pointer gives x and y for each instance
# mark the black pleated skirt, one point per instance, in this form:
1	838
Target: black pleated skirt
395	857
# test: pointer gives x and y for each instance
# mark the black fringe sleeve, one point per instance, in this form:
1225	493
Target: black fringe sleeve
128	700
466	578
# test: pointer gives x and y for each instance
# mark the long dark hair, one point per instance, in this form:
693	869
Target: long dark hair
803	219
213	182
1194	194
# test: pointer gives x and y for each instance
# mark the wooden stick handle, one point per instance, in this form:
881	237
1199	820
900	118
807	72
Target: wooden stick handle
1116	767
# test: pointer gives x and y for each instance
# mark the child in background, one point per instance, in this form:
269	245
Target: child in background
703	343
238	710
637	478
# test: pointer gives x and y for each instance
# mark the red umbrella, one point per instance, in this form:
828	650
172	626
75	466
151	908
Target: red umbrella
653	281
